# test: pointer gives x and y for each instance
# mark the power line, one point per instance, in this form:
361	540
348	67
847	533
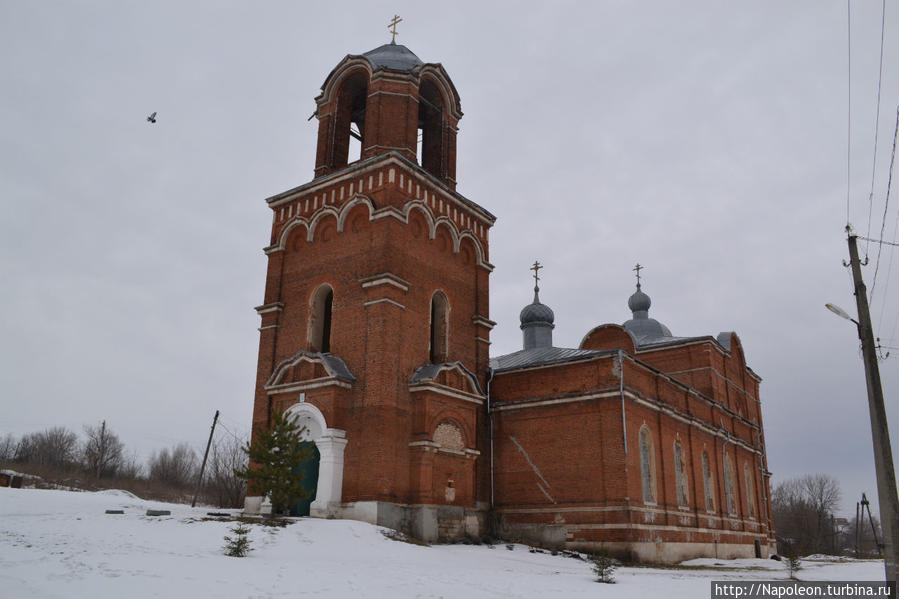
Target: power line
886	204
226	429
879	241
848	103
895	318
876	118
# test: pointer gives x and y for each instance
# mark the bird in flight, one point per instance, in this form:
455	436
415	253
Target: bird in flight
152	118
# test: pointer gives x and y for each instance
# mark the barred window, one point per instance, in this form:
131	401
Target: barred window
708	483
729	484
680	475
747	478
647	465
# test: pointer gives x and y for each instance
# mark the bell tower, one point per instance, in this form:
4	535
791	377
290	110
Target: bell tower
375	324
388	99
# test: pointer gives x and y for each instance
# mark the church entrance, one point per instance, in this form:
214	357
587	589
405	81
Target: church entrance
308	481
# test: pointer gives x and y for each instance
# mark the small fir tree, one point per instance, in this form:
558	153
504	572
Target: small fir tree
792	562
603	566
239	544
276	456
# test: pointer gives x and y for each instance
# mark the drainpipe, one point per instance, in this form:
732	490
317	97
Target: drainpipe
490	422
621	392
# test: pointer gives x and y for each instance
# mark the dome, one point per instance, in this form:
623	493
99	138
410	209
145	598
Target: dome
641	326
393	56
639	301
536	312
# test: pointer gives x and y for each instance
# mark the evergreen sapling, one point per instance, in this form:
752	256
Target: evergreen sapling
276	456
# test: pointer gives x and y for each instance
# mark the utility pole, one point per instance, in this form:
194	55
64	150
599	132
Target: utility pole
880	432
856	529
205	455
101	449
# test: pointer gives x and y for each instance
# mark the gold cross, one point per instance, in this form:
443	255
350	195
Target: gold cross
536	268
637	269
393	24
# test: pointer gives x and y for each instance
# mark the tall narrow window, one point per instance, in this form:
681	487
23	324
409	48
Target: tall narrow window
319	333
349	120
708	483
430	123
647	466
747	479
680	475
439	328
729	484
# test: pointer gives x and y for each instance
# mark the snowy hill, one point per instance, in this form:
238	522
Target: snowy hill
63	544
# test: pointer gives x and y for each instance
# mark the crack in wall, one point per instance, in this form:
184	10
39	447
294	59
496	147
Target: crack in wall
534	468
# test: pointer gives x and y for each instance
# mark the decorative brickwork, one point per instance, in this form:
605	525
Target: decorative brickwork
375	328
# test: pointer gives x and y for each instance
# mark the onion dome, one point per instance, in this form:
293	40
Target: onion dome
393	56
537	319
536	312
641	326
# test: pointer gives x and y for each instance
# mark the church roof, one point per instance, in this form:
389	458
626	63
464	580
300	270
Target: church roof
393	56
539	356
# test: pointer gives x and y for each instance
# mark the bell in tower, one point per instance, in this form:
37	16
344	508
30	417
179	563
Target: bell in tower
375	324
390	101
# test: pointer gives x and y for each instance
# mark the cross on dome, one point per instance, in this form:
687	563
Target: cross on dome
536	268
392	28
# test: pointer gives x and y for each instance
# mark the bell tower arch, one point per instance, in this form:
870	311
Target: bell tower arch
388	98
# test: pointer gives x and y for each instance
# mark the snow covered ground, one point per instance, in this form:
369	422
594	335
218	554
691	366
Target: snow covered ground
63	544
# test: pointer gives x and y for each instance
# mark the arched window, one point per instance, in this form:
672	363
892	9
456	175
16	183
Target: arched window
647	465
439	328
319	333
349	119
680	475
729	485
747	479
430	121
708	483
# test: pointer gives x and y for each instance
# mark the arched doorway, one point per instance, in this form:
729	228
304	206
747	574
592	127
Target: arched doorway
308	480
323	474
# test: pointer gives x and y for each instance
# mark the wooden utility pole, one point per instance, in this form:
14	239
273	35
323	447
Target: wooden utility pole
205	455
880	432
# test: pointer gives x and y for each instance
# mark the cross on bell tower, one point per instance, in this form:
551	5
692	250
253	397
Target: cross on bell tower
392	28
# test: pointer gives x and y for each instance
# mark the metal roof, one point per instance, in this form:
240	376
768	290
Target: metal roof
429	372
393	56
540	356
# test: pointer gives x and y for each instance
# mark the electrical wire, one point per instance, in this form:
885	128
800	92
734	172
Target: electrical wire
848	103
886	205
227	430
883	11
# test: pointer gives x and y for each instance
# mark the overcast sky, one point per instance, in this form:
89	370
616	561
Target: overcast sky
705	140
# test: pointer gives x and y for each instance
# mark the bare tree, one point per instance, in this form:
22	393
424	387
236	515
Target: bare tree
176	467
223	487
102	452
130	467
56	447
823	495
8	445
802	509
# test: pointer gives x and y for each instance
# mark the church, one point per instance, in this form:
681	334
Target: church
375	335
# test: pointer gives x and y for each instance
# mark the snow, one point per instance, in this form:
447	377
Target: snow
62	544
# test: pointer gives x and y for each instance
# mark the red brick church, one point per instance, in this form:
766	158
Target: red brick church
375	332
